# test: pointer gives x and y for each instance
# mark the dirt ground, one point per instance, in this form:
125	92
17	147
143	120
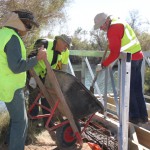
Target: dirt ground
45	142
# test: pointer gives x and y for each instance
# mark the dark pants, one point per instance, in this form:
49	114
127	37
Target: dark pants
33	93
137	102
18	121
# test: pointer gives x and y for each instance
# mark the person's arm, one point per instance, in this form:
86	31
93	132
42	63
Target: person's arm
14	57
115	34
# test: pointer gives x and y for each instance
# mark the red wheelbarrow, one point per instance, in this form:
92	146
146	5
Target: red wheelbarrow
71	101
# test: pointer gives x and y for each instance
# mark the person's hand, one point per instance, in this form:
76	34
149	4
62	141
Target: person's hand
42	55
98	67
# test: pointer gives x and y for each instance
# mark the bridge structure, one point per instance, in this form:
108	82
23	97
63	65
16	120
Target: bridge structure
116	104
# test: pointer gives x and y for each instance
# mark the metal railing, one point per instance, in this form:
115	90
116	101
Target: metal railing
121	90
90	53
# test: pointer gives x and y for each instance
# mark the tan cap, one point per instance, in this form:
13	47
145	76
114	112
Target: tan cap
17	19
27	15
65	38
99	20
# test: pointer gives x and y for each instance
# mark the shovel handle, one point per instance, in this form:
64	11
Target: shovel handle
95	78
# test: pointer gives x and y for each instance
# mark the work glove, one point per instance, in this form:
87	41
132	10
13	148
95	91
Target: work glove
32	83
42	54
99	67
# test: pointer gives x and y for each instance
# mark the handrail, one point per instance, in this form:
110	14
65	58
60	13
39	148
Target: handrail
97	53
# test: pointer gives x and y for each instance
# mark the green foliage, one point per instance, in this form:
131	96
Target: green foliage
80	42
144	39
33	128
47	13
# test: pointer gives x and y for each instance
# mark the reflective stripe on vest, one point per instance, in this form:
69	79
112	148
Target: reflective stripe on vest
9	82
129	42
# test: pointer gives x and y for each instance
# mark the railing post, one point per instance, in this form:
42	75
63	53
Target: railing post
96	85
71	68
124	101
114	90
83	70
105	92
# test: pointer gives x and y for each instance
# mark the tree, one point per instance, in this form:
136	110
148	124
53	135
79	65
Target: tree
140	26
98	40
47	12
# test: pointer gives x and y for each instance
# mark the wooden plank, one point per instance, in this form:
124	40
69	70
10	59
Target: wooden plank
111	105
133	135
135	146
111	108
44	90
143	136
109	123
110	100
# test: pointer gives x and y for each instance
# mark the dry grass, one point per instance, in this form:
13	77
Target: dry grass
33	129
4	122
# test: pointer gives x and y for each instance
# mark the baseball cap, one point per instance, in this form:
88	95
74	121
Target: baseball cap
65	38
41	42
99	20
26	15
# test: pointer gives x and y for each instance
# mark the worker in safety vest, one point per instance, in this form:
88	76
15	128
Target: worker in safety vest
57	56
13	64
65	60
121	37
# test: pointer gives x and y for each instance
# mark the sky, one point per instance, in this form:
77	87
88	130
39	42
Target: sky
81	13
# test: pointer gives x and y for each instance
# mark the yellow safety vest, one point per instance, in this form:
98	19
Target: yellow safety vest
40	68
9	82
64	59
65	56
129	42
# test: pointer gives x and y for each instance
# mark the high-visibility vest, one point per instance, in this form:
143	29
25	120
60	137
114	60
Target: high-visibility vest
64	59
129	42
40	68
65	56
9	81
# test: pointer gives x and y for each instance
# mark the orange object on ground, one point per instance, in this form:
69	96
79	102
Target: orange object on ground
94	146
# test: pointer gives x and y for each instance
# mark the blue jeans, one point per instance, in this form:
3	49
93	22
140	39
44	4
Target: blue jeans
18	121
137	102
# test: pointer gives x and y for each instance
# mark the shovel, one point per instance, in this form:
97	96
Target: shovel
95	78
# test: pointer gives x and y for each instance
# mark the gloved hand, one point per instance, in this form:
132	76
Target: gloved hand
32	83
42	54
98	67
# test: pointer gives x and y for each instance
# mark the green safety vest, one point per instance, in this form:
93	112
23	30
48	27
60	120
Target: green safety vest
9	81
129	42
65	57
40	68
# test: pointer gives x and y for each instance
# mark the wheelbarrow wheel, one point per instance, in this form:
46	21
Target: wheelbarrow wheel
65	136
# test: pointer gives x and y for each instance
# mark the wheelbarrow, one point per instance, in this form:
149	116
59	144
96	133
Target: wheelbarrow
70	100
